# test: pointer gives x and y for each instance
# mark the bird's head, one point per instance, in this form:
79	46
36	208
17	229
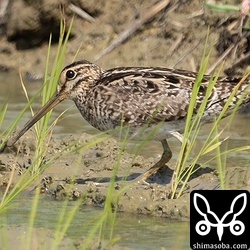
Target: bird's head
76	78
73	82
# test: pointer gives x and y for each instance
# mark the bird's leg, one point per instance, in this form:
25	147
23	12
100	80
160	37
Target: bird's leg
179	137
166	156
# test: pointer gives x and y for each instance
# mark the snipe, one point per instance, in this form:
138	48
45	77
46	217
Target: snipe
138	96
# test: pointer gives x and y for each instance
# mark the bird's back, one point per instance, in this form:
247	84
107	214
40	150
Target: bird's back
140	95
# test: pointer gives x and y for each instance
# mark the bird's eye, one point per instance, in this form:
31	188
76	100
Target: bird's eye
70	74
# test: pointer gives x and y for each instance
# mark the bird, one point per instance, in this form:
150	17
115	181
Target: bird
153	98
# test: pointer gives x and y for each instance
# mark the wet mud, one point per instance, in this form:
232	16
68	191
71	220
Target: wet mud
73	173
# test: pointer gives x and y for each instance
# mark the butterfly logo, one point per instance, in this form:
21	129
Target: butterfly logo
203	227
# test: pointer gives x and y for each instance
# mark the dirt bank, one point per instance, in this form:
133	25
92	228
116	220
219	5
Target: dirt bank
175	37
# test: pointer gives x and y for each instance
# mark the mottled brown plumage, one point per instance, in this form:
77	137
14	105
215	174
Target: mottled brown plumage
134	97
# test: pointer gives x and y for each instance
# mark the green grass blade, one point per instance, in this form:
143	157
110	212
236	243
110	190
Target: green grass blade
3	112
223	7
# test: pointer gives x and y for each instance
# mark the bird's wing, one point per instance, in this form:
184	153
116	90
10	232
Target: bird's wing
141	95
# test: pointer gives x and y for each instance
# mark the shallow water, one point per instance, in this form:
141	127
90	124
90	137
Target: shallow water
137	232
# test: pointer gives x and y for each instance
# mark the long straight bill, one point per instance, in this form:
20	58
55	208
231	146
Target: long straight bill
52	102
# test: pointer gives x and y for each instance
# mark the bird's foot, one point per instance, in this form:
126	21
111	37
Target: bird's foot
140	180
117	183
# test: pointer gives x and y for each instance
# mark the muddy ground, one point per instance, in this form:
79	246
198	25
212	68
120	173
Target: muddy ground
173	38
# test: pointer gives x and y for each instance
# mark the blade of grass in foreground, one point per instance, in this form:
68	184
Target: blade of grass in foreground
212	143
8	131
3	112
221	156
192	124
192	128
49	88
41	128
